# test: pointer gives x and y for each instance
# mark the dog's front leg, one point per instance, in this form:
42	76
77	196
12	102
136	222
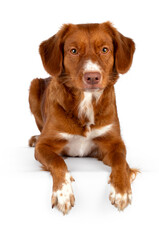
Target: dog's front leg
114	155
46	152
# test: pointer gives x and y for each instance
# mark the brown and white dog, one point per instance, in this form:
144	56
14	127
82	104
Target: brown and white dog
75	109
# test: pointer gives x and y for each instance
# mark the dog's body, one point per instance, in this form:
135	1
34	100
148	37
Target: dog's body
75	109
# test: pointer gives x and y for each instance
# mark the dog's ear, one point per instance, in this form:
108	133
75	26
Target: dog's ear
123	49
51	52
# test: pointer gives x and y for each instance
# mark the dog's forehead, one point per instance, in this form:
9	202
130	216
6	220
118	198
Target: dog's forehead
88	33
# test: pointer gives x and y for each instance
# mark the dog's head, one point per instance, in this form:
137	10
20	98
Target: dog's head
87	56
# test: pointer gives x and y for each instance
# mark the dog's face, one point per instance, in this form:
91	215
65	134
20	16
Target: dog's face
87	56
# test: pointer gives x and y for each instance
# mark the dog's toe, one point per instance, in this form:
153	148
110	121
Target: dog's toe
119	200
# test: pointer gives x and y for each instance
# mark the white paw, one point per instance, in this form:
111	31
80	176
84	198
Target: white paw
120	200
64	197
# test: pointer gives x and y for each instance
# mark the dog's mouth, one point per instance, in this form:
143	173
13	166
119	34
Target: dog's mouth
93	89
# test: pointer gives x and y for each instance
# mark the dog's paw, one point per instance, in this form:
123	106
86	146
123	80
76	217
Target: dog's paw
33	140
119	200
64	198
120	193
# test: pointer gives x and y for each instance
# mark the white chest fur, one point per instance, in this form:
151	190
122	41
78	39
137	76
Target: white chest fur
81	146
78	145
86	108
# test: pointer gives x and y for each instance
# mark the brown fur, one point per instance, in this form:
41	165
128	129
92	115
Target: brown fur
54	101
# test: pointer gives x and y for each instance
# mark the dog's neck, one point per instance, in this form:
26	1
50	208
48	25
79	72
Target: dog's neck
86	107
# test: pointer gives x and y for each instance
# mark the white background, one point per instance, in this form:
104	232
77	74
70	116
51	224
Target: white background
25	191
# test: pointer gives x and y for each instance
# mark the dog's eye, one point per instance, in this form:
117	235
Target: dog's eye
74	51
104	50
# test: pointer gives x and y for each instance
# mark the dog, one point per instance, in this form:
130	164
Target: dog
75	108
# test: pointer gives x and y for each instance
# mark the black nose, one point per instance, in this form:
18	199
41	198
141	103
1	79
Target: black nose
92	77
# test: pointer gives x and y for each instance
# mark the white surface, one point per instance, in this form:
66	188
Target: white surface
26	213
25	191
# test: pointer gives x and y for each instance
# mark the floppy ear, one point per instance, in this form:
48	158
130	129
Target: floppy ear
51	52
123	50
